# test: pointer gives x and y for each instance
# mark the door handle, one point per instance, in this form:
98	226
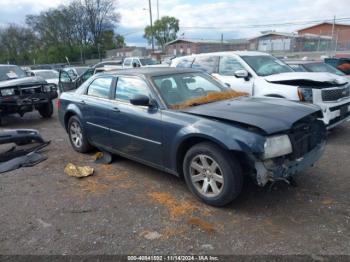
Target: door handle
116	109
82	102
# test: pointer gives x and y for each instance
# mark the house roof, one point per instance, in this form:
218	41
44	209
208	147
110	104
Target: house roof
275	33
191	40
328	23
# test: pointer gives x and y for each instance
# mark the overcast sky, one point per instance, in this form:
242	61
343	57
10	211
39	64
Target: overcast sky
233	18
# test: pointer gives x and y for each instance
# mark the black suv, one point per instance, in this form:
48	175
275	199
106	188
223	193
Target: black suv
20	93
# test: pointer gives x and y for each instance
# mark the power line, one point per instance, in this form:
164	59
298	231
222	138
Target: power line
291	23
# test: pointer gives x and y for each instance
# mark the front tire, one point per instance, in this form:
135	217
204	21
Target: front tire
77	136
46	110
212	174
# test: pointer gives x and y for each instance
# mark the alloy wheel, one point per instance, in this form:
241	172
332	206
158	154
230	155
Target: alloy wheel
76	134
206	175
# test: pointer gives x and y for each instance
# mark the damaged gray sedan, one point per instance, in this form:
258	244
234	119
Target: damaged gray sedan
184	122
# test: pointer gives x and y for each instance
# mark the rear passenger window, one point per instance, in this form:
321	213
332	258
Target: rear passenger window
100	87
229	65
206	63
128	87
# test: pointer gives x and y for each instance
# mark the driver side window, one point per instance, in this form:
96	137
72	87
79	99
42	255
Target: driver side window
229	65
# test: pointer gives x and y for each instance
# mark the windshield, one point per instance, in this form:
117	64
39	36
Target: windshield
148	61
81	70
322	67
191	89
265	65
11	72
47	74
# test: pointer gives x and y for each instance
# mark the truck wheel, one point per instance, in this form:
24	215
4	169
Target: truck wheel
212	174
77	136
46	110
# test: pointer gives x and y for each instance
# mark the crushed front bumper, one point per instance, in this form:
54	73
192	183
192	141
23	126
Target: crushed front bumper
281	169
335	113
17	103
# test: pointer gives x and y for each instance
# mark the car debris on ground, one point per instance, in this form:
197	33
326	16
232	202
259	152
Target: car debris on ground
21	155
78	171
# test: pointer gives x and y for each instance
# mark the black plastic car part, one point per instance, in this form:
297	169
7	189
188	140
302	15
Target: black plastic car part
23	157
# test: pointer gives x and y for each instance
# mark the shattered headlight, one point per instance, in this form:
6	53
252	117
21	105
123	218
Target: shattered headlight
277	146
8	92
305	94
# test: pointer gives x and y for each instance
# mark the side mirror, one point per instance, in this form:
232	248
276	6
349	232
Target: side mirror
140	100
242	74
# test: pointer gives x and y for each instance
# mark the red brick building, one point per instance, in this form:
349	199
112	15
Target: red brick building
341	33
180	47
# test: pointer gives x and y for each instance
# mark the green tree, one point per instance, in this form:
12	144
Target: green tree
107	40
163	30
120	41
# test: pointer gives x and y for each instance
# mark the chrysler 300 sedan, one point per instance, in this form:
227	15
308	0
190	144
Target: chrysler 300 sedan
184	122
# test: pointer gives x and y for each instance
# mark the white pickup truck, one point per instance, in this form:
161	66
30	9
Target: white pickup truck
133	62
261	74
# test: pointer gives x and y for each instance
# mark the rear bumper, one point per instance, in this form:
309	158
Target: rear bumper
274	170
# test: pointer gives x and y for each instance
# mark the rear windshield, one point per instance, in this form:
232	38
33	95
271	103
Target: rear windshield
265	65
81	70
11	72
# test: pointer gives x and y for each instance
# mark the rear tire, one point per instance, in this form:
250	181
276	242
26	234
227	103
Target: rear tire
77	136
46	110
212	174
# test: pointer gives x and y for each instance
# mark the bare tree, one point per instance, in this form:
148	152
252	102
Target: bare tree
101	16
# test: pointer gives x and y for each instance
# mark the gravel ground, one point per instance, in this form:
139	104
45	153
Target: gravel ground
129	208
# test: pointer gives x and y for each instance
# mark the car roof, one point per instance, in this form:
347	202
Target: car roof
223	53
152	71
7	65
70	67
302	62
43	70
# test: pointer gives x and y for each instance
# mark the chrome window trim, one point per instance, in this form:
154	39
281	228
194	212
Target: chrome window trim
103	127
137	137
122	133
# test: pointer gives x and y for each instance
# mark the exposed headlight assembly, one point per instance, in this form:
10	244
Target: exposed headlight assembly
48	88
275	146
8	92
305	94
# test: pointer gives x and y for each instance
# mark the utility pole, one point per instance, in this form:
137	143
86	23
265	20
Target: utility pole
222	42
336	43
332	43
150	19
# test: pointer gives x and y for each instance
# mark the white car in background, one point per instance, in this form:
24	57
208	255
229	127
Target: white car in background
134	62
261	74
51	76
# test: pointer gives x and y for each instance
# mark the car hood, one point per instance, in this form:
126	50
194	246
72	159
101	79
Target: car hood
272	115
307	78
25	81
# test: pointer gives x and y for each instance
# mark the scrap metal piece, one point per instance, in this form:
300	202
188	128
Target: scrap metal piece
78	171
